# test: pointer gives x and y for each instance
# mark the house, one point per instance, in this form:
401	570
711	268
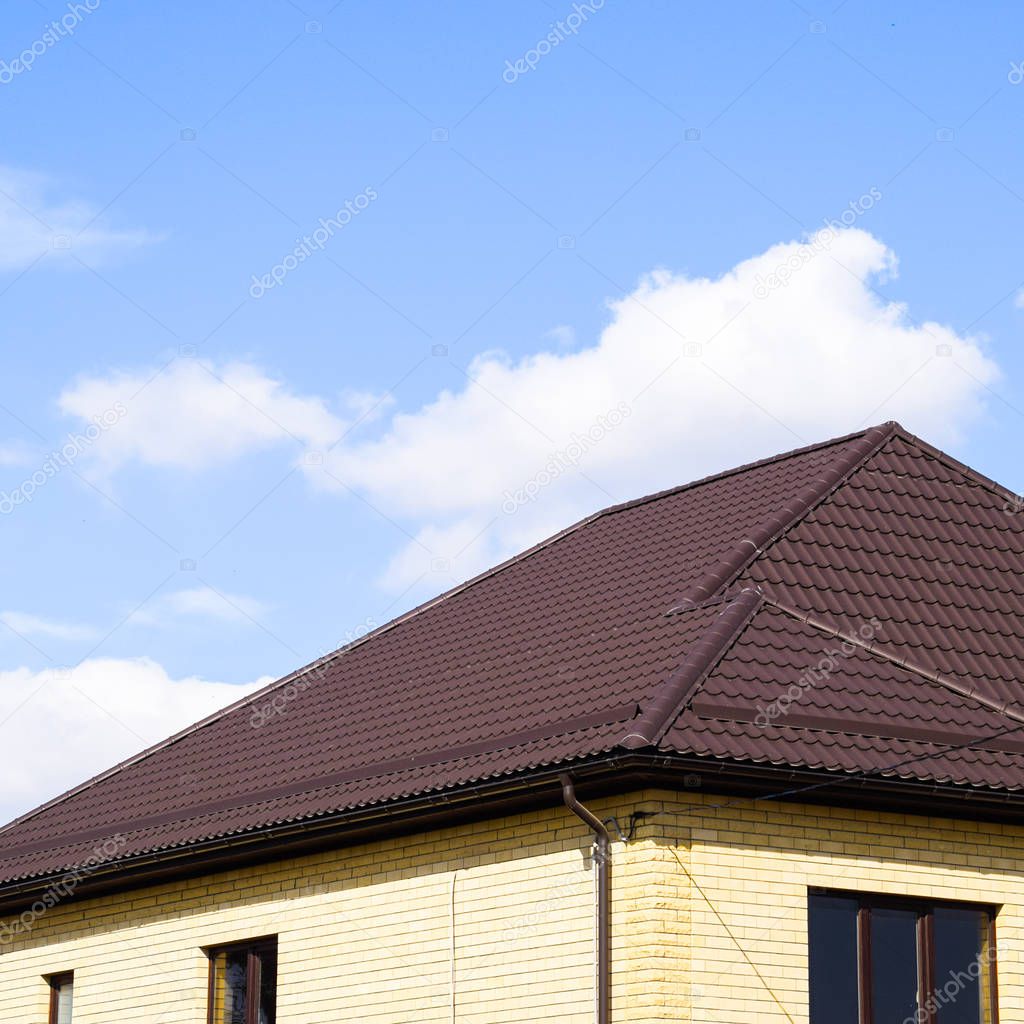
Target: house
751	749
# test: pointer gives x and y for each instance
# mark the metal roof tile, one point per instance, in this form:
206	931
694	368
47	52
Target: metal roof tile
547	658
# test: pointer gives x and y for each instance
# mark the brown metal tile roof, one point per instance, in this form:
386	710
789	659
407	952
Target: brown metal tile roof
665	624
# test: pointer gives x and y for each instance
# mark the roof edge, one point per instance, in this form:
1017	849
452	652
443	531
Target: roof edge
961	467
609	772
565	727
321	664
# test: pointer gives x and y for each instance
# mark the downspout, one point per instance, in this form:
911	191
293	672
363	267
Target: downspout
602	867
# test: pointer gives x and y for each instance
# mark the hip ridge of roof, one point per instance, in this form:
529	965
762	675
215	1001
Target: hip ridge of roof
812	494
677	690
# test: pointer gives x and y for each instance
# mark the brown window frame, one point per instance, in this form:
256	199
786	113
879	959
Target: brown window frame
253	979
866	901
56	982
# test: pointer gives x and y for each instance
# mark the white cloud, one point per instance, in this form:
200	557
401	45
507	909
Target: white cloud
200	602
564	336
194	414
33	224
701	373
206	602
32	625
711	375
15	453
365	407
1018	299
59	728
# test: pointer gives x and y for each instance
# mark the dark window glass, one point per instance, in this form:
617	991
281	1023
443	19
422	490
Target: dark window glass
832	927
268	987
888	960
894	965
243	984
962	974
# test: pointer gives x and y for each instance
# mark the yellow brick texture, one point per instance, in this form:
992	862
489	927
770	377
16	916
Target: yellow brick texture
750	865
709	911
364	934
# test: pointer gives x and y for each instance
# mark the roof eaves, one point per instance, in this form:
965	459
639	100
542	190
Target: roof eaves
604	717
616	768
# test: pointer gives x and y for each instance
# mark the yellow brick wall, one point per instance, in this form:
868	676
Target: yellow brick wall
364	934
709	919
749	866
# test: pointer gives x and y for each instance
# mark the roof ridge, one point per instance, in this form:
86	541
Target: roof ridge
735	470
679	687
320	664
782	521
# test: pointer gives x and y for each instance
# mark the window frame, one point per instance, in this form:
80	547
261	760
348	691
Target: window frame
925	908
56	983
253	974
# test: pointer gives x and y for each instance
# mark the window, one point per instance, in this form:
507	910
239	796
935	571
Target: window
61	991
243	983
876	960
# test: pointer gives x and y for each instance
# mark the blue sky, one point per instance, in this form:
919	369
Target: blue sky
514	255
